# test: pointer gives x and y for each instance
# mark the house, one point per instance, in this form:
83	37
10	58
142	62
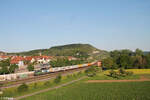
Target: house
18	60
3	57
71	58
43	59
29	59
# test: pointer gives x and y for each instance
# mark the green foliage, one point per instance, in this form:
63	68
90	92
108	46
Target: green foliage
57	79
121	73
47	83
127	59
6	67
82	51
92	71
35	85
60	62
108	63
30	67
79	73
13	67
22	88
4	63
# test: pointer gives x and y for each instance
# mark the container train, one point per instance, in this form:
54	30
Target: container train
42	71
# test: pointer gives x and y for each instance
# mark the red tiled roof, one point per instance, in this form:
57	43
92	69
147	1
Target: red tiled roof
4	57
28	58
16	59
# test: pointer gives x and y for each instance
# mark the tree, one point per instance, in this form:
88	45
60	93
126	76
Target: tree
22	88
147	57
108	63
138	52
138	62
4	70
30	67
4	64
13	67
92	71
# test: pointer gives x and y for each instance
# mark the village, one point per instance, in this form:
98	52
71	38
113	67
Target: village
38	62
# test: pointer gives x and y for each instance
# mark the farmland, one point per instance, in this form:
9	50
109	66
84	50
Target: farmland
101	91
98	91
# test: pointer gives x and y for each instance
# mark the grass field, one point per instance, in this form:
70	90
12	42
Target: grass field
92	91
12	92
101	91
98	91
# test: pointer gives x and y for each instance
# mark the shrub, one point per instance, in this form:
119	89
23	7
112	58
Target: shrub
122	71
22	88
30	67
79	73
57	79
47	83
129	73
35	85
92	71
69	76
113	74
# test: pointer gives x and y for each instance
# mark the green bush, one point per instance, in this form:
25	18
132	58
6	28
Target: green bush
30	67
47	83
69	76
129	73
35	85
92	71
122	71
113	74
57	79
79	73
22	88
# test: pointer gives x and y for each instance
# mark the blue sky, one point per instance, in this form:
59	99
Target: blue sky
106	24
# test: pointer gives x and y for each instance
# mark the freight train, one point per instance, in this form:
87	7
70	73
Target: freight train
42	71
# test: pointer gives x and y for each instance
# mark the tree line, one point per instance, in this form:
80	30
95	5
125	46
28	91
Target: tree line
127	59
61	62
6	67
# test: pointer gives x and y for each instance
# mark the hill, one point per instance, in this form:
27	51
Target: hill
2	53
76	50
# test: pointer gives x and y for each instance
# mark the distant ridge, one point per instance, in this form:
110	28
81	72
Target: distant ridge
76	50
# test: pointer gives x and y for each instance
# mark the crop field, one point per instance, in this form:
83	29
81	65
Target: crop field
98	91
135	71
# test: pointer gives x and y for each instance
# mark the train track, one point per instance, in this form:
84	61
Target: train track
39	78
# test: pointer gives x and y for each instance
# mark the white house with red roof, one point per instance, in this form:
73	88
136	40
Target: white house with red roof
17	60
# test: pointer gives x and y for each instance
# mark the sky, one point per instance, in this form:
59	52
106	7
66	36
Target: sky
106	24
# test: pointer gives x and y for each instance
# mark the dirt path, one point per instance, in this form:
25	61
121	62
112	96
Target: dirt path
45	90
142	79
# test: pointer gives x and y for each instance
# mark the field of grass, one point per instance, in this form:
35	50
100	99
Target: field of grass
12	92
91	91
101	91
98	91
136	75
